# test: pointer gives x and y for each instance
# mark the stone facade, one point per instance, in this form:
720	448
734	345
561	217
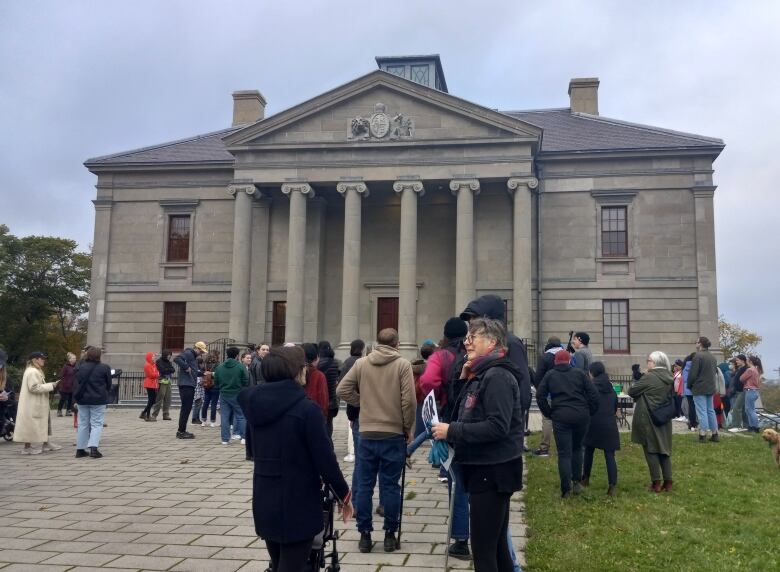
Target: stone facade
384	188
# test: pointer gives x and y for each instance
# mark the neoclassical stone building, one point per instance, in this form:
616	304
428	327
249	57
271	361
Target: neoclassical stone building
390	202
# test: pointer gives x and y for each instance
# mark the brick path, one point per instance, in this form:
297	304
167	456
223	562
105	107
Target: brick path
158	503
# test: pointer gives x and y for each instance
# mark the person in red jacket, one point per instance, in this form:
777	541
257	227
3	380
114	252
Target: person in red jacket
316	387
151	375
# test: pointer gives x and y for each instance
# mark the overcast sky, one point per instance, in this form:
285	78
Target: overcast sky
80	79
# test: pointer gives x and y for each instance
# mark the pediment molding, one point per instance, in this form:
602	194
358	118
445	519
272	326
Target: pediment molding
515	129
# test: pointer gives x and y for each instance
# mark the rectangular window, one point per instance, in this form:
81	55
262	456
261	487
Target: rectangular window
278	319
174	319
614	235
400	71
179	238
420	74
616	327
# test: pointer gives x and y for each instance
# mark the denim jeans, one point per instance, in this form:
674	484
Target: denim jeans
738	409
383	458
210	397
90	425
229	406
460	505
356	441
568	440
751	396
705	411
515	563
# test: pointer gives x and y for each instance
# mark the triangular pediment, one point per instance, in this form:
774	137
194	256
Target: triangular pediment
382	109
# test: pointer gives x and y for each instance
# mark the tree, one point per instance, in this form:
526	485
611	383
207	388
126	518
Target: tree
44	285
734	339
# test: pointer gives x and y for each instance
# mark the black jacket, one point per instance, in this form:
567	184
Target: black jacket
93	384
255	371
545	363
491	306
330	368
165	367
572	394
603	431
292	453
352	412
487	427
736	384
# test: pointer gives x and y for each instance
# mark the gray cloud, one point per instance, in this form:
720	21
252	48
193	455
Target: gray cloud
79	79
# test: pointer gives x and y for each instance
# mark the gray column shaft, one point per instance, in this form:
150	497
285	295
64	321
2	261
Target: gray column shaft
295	267
100	251
465	262
242	260
407	271
350	296
522	263
705	263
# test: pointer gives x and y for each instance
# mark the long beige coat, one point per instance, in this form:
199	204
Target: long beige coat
32	417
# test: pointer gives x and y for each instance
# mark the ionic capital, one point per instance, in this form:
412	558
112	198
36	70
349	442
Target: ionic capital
515	183
248	188
415	186
470	184
304	188
359	187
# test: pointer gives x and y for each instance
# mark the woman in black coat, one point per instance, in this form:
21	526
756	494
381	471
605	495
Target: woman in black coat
602	432
93	389
292	456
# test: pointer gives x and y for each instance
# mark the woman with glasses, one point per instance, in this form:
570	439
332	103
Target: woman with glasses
486	433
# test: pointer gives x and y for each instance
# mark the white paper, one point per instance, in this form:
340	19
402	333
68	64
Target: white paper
429	411
446	464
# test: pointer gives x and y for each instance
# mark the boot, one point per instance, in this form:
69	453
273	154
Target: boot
143	415
667	486
460	550
655	487
611	490
390	545
576	488
365	545
702	438
94	453
585	481
715	438
81	453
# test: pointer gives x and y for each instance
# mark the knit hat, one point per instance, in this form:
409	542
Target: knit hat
562	357
455	328
583	336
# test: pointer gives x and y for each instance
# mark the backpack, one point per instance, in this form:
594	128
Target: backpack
208	380
454	385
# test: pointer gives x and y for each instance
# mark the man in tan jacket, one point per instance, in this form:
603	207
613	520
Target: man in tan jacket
382	385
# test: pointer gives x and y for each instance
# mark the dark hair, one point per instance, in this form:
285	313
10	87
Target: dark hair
356	347
597	368
635	367
705	342
387	337
426	350
165	354
311	352
552	342
325	349
232	352
756	361
93	354
742	357
283	362
584	337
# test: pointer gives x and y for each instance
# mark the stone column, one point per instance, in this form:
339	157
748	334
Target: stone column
465	264
705	262
407	270
258	285
296	253
238	327
350	284
522	241
100	251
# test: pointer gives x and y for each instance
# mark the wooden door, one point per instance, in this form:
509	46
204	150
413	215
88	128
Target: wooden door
386	314
278	319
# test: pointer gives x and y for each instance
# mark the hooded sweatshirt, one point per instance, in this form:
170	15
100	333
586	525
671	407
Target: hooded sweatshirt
382	385
231	377
151	375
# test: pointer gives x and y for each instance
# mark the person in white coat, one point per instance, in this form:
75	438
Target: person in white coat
33	421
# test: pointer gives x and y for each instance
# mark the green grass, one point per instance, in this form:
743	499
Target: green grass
724	512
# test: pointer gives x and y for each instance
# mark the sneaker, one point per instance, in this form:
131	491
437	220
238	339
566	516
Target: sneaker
184	435
443	479
243	441
576	488
94	453
226	442
542	452
152	419
715	438
734	430
236	437
212	424
59	413
390	545
80	453
460	550
203	424
349	458
365	544
51	447
167	418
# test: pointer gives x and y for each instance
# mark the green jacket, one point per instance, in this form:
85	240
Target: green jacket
702	379
652	389
231	377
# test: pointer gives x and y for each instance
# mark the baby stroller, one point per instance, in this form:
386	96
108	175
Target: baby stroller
319	556
7	419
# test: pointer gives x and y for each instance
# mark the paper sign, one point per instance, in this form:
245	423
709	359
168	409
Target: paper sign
429	412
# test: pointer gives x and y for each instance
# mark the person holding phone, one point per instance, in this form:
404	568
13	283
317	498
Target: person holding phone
33	420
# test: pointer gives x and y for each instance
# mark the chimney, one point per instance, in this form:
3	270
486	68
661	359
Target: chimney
584	95
248	107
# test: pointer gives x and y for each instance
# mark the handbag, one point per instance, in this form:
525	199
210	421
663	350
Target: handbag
662	414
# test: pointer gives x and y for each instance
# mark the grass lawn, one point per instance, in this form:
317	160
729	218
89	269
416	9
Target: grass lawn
724	512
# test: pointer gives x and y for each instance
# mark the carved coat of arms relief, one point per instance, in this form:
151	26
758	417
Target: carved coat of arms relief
380	126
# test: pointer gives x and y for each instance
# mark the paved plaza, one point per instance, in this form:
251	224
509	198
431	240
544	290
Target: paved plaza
158	503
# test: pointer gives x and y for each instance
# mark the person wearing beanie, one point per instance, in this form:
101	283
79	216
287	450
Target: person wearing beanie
293	456
583	357
545	363
568	397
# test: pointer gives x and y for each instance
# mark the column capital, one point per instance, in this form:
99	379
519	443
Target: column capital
249	188
458	184
412	185
704	191
304	188
514	183
358	186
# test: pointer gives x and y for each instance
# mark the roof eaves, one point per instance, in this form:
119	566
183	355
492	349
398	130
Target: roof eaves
642	126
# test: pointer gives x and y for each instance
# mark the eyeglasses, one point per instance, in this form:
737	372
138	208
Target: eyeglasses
471	337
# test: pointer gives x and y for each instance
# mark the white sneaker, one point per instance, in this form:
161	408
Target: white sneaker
51	447
734	430
212	424
741	429
225	442
349	458
203	424
243	441
236	437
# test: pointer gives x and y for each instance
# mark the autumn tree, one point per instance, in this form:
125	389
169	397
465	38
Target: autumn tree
734	339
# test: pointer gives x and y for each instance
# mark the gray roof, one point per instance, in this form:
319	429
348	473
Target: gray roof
564	131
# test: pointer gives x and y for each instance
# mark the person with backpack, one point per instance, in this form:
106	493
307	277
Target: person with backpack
163	400
567	396
545	363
